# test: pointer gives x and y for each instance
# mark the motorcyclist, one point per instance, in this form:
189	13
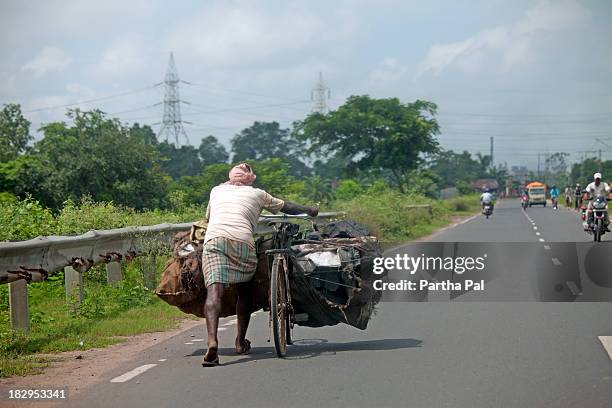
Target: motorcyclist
577	196
597	187
487	198
554	195
525	198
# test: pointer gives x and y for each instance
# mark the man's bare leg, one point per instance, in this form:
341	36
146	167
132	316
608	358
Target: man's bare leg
212	308
243	311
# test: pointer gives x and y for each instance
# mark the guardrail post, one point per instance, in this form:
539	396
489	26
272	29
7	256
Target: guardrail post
18	303
149	271
73	281
113	272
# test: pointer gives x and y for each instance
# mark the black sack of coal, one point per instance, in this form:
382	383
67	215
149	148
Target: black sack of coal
344	229
332	281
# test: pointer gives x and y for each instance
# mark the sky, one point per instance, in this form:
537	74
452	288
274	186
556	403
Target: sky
535	75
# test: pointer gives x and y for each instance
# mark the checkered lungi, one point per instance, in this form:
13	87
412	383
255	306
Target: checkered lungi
228	261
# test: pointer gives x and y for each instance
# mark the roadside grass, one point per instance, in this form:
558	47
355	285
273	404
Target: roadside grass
107	315
390	216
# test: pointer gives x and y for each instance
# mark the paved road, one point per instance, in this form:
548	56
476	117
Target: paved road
434	354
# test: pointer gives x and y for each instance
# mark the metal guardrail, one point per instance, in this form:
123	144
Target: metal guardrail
33	260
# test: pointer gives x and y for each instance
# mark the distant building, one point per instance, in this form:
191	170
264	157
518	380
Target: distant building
482	184
520	174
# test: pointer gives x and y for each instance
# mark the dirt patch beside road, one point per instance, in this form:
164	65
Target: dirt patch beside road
79	369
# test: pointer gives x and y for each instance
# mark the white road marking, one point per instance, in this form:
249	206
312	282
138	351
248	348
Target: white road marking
468	219
189	342
535	228
606	342
573	288
537	233
162	360
542	240
131	374
556	261
547	247
222	329
197	340
233	321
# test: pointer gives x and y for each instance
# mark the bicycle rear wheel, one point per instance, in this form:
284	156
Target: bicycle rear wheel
278	305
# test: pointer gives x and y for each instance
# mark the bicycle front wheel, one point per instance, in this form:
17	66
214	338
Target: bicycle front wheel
278	305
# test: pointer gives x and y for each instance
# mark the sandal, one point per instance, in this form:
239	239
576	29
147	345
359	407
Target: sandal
246	348
208	362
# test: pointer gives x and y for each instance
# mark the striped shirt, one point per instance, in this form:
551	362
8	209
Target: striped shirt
233	211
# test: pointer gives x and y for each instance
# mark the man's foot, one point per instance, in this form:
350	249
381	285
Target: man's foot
211	358
244	348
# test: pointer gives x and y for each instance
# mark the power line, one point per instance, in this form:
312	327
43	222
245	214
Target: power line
236	91
102	98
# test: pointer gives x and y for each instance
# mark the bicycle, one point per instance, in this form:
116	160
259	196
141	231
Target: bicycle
282	316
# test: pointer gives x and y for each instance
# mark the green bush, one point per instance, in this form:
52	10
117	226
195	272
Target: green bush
348	189
390	215
25	219
465	203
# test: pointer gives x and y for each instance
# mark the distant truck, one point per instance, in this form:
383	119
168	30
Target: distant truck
537	193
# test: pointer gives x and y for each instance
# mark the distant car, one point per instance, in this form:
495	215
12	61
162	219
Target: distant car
537	196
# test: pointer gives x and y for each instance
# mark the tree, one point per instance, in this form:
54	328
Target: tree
318	190
266	140
582	172
375	134
457	168
179	161
332	168
212	152
14	132
25	175
556	166
144	133
272	176
98	156
196	189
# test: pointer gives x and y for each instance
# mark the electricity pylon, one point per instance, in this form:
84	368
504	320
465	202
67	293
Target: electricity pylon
319	95
172	124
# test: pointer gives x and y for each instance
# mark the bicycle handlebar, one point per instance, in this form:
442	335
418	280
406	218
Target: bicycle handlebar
281	217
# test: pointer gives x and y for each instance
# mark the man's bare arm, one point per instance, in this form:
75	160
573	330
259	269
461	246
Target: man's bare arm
295	209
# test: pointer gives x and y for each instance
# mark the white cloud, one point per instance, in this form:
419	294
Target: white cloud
390	69
49	59
80	90
126	55
226	34
510	44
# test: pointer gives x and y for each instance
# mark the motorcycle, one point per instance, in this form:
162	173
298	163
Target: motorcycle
583	213
487	210
600	210
524	202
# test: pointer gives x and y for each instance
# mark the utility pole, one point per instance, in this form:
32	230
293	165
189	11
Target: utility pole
172	124
319	95
546	165
491	152
538	165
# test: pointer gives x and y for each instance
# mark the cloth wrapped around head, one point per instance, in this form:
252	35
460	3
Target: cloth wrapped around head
241	175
